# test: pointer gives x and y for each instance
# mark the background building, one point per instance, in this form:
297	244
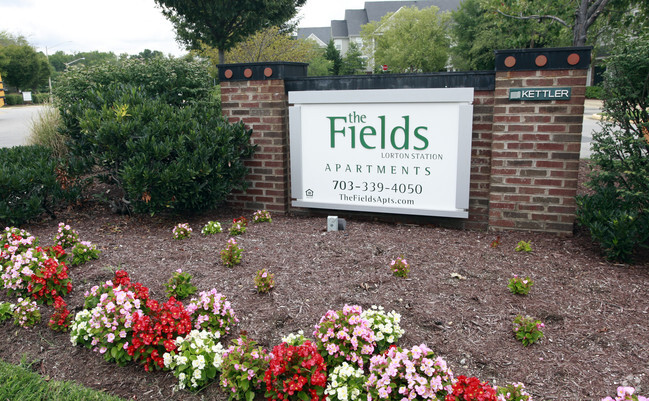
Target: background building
343	32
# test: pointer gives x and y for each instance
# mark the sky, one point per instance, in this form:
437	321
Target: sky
120	26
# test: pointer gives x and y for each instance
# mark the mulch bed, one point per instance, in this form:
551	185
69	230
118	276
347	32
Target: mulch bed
596	313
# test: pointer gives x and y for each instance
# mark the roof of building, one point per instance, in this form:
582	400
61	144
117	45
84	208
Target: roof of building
373	11
339	29
322	33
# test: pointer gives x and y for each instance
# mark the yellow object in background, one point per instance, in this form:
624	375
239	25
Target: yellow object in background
2	93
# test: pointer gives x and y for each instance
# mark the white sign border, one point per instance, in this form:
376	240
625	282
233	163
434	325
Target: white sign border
464	96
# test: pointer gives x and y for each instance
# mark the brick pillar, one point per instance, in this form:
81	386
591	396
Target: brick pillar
254	93
535	144
483	105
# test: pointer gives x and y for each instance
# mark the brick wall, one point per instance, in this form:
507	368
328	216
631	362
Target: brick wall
262	106
535	151
524	156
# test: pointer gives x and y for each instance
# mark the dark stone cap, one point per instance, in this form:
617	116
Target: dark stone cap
558	58
261	71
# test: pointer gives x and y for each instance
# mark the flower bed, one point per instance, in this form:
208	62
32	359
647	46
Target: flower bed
407	320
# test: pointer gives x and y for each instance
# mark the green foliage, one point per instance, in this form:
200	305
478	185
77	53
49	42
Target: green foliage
243	352
520	286
59	59
478	29
353	62
13	99
222	24
164	157
174	81
179	285
22	67
22	383
617	212
153	129
410	40
523	246
319	65
212	227
333	56
232	254
6	311
594	92
40	98
148	54
527	330
28	184
44	131
270	44
618	229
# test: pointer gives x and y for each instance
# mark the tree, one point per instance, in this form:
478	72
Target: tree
147	54
409	40
22	67
584	16
478	29
333	55
59	59
7	39
270	44
579	20
319	65
223	23
353	62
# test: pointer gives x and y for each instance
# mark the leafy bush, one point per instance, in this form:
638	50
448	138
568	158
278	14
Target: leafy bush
175	81
594	92
167	146
617	213
40	98
12	99
29	184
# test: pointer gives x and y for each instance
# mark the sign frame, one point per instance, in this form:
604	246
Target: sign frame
462	98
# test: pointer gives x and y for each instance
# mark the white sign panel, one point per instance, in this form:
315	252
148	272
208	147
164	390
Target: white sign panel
405	151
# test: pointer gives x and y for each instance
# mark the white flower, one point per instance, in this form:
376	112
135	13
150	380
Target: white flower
341	393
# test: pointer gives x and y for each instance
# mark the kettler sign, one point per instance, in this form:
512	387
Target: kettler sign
404	151
539	93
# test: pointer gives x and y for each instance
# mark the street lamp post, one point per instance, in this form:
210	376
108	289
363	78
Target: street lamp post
48	62
72	62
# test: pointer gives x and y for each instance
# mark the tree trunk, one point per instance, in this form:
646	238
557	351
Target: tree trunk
581	24
585	15
221	57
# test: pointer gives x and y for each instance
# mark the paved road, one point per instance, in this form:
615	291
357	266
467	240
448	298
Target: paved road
15	124
590	124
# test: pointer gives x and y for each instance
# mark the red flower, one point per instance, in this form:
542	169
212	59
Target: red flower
299	369
471	389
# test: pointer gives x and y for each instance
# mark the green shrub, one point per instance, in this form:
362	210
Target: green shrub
12	99
41	98
594	92
174	81
162	156
617	213
616	227
153	128
44	131
28	184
